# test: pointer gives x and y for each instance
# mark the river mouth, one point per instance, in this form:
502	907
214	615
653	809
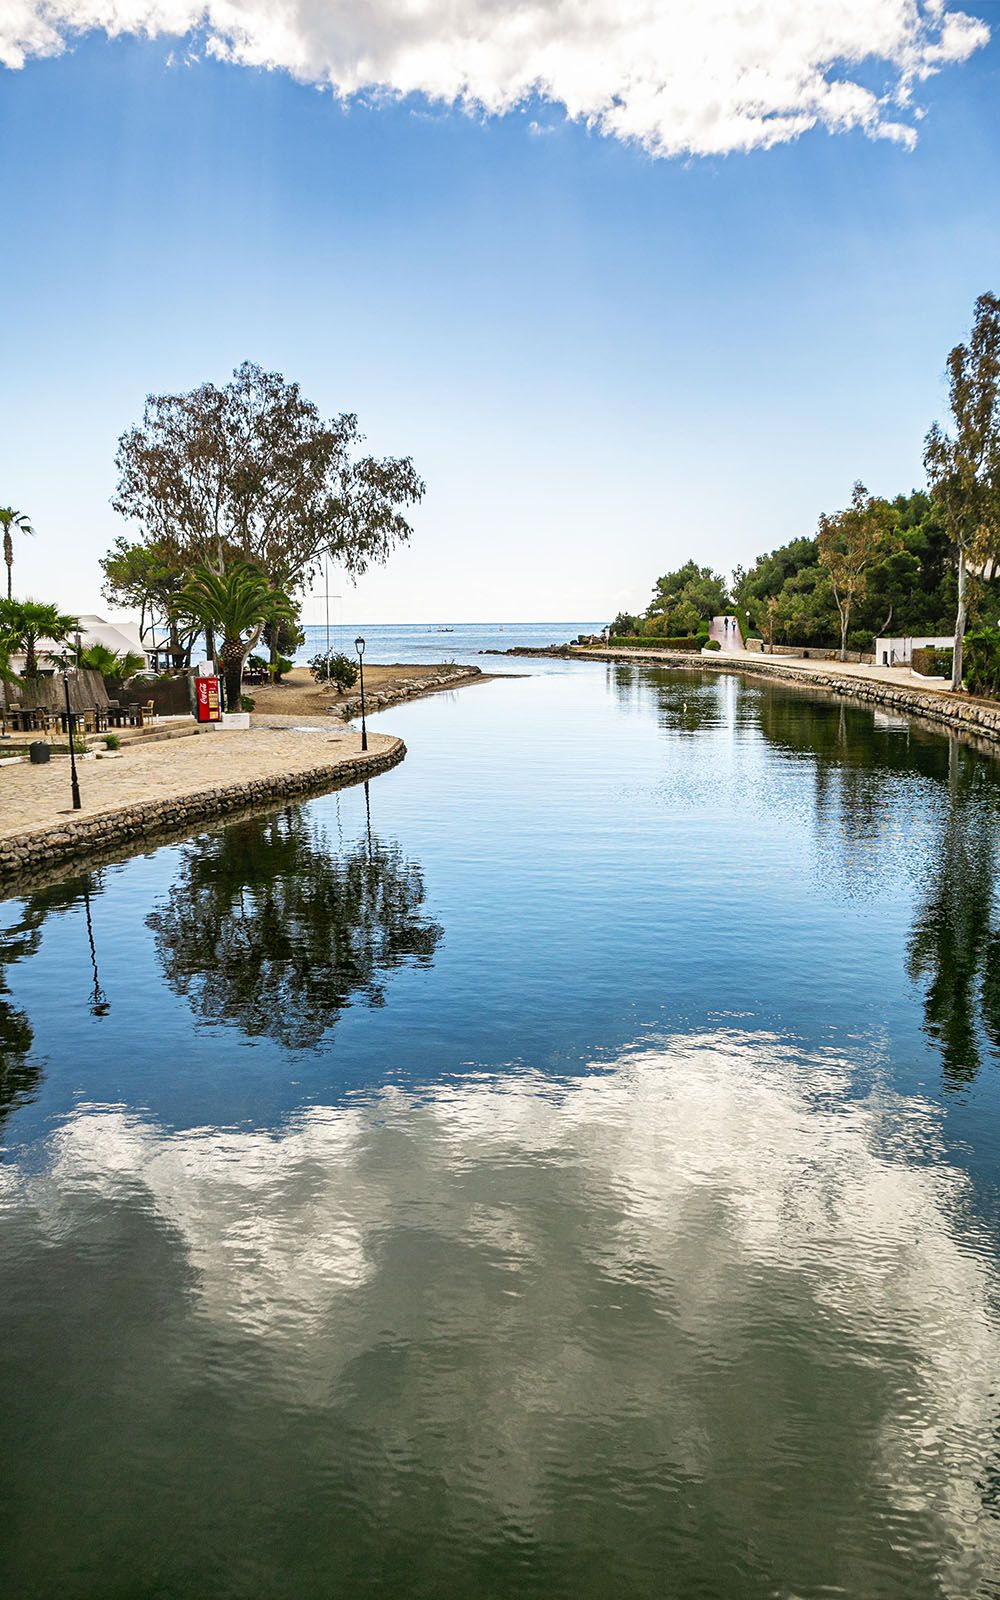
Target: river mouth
567	1165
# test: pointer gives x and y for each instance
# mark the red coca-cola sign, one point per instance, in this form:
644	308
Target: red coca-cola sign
207	699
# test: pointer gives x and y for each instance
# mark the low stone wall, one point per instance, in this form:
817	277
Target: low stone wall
23	856
981	717
811	652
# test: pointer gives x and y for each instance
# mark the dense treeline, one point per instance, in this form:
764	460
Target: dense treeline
910	587
787	596
924	563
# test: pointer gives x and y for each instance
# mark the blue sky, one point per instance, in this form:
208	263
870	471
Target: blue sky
602	361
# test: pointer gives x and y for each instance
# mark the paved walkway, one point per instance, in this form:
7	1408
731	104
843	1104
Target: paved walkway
901	677
850	669
726	631
35	798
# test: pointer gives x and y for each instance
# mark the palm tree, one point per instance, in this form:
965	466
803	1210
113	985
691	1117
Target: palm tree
237	603
9	521
24	622
98	658
6	673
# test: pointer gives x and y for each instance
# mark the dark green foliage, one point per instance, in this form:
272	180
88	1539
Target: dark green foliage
684	599
981	662
910	591
338	669
931	662
284	637
711	644
651	641
625	624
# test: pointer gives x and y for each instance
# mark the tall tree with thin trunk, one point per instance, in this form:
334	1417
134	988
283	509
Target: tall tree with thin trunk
253	473
12	522
963	468
849	543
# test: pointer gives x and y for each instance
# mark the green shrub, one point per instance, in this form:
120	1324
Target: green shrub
656	642
933	663
247	702
112	741
981	662
712	644
338	669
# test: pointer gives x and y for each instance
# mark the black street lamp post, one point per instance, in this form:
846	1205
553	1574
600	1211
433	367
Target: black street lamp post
73	779
359	645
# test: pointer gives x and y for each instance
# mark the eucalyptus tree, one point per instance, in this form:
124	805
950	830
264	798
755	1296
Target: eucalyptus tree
12	522
963	467
252	472
237	603
850	543
24	623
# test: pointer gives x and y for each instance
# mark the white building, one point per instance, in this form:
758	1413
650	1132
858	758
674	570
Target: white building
899	652
121	637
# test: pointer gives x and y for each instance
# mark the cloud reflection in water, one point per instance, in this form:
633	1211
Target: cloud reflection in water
705	1279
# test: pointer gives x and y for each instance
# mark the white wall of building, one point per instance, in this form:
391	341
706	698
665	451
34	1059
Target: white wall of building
898	652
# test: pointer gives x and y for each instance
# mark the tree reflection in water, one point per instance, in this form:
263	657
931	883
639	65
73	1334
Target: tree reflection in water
268	927
18	1075
863	773
682	700
21	937
955	944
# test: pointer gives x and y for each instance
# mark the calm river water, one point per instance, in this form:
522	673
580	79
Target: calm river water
573	1173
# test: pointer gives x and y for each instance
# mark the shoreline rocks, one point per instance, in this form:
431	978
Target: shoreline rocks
405	689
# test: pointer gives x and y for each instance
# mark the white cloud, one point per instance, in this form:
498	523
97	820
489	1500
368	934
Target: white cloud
678	76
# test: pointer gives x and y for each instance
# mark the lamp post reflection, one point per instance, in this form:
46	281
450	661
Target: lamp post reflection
99	1002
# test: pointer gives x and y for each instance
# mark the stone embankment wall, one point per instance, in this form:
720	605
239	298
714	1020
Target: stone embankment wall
392	694
24	855
981	717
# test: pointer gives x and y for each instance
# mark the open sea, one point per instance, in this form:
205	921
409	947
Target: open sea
427	641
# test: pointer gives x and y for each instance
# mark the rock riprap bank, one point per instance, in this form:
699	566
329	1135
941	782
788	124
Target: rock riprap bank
399	689
877	686
168	785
